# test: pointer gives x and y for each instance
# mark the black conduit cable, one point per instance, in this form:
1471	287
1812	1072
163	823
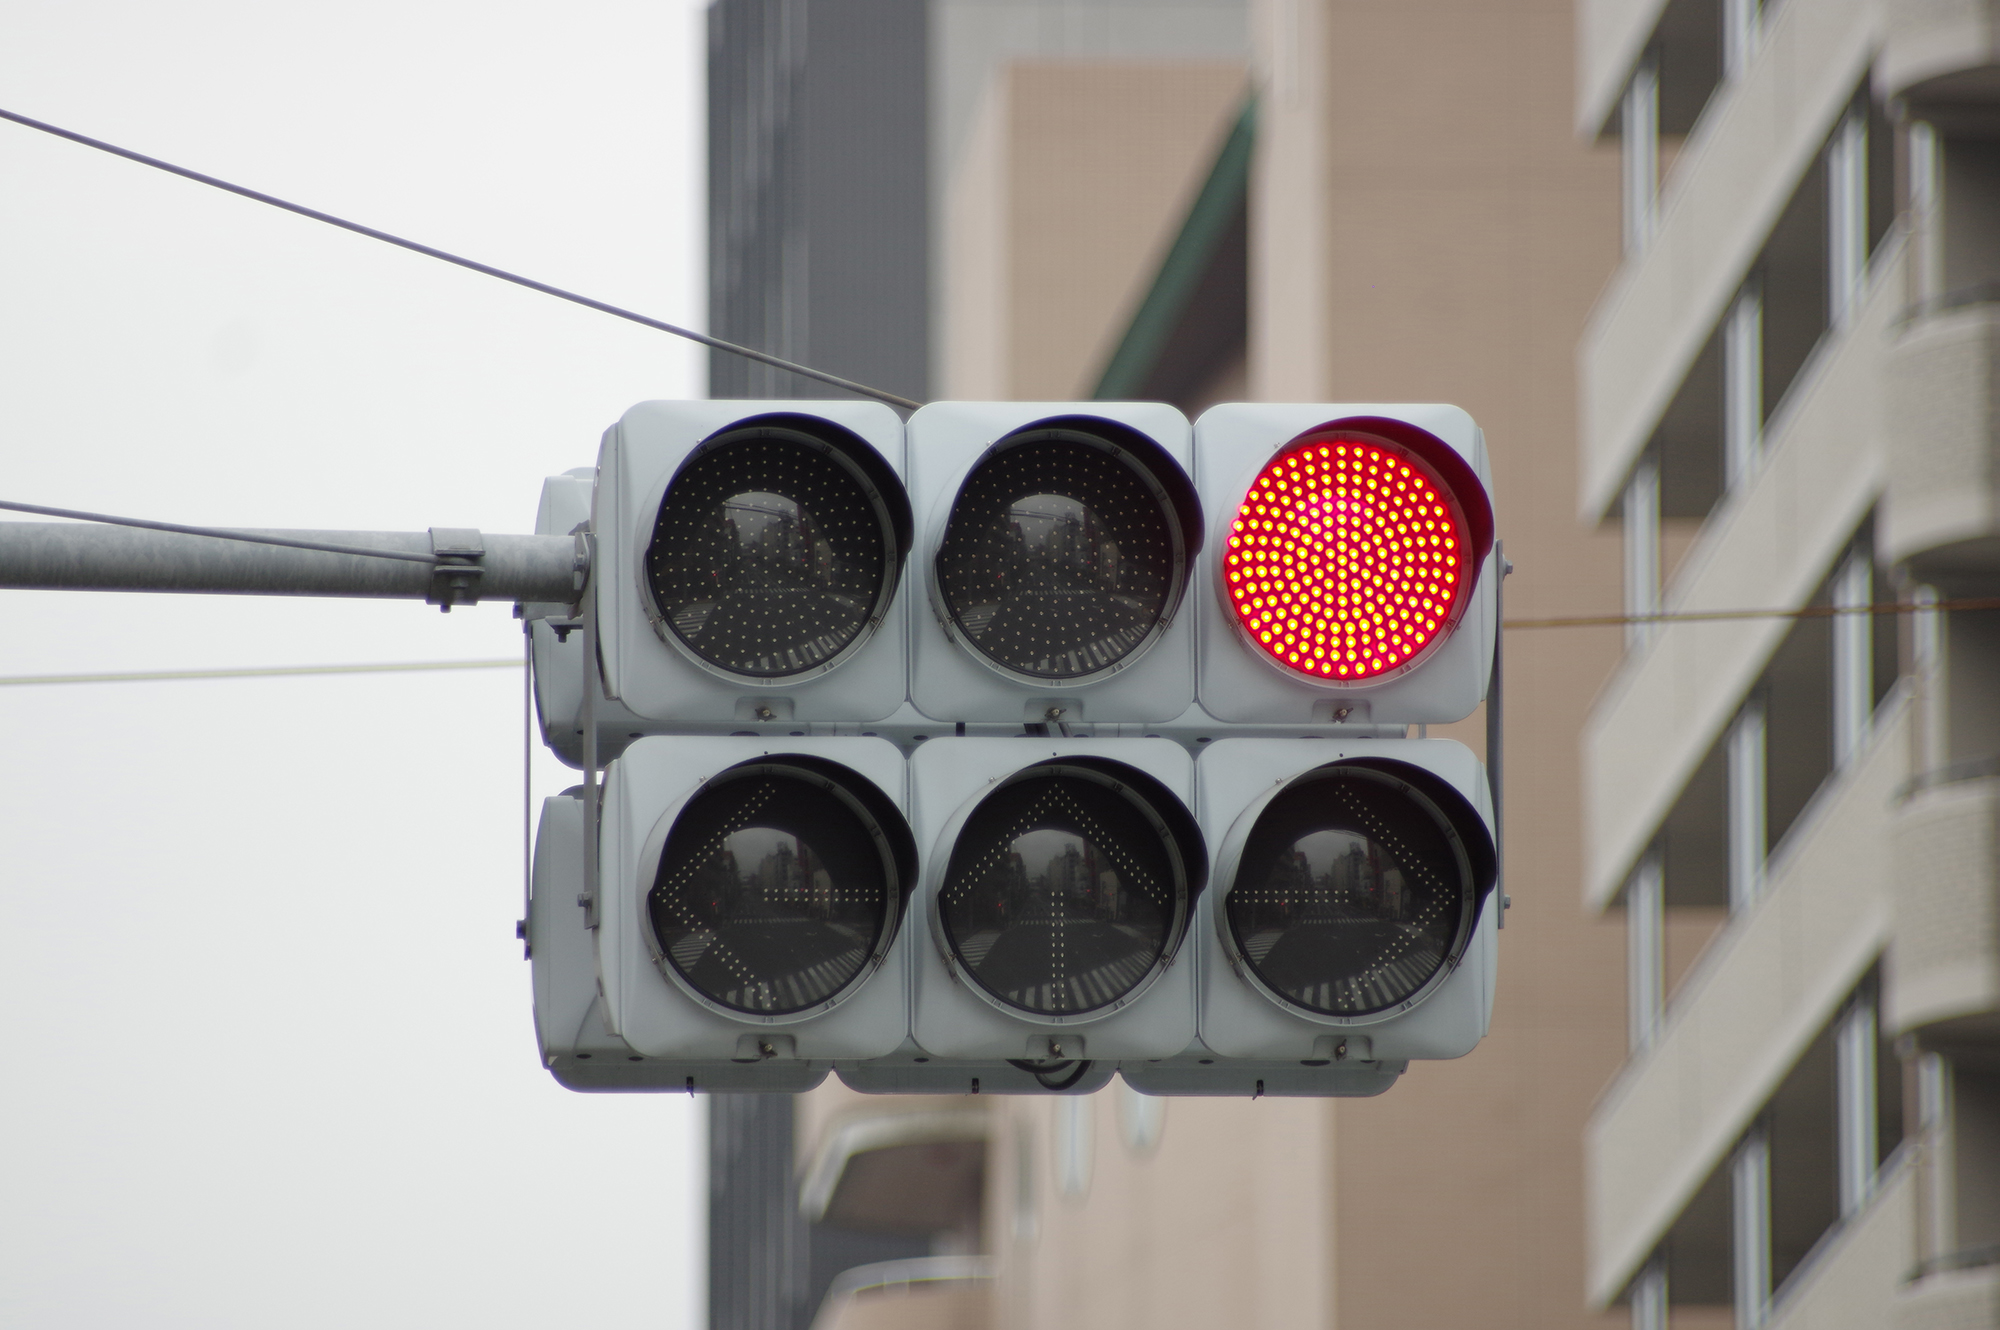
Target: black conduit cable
1042	1072
427	251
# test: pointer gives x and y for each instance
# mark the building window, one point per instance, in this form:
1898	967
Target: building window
1645	950
1639	134
1742	33
1649	1296
1748	788
1846	216
1642	551
1857	1080
1142	1118
1750	1213
1743	386
1854	650
1075	1143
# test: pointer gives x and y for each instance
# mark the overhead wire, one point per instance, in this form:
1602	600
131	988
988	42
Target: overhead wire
1713	616
219	533
473	265
417	666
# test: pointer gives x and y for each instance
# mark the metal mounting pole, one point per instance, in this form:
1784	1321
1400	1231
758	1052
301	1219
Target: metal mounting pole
454	566
1495	737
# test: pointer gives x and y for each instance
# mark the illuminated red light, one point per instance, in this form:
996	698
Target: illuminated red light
1349	558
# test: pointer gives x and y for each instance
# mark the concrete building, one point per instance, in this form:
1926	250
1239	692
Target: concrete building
1354	201
1787	401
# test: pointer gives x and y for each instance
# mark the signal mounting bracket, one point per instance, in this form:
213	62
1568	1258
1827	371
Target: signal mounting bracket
455	579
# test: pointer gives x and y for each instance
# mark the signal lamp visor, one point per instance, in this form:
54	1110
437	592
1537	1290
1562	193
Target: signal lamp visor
1066	891
777	886
1350	558
1063	558
774	555
1353	895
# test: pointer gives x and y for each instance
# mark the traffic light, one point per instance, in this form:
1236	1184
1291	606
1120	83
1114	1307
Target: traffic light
749	559
1350	924
1001	787
1061	880
556	641
577	1045
1058	542
1348	551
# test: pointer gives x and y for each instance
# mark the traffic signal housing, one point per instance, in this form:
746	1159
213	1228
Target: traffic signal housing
1351	917
750	561
1115	774
1060	880
576	1044
1058	542
1348	564
751	899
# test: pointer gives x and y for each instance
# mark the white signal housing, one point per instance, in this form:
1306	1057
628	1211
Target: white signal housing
1233	443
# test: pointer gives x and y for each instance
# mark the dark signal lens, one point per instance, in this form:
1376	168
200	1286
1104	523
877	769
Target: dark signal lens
1352	893
774	890
1064	892
1349	558
772	556
1063	557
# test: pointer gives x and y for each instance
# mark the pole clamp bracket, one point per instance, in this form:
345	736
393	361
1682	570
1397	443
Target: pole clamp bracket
455	578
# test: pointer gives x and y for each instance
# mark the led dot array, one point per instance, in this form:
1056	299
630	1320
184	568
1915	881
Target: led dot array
1067	932
1058	560
1347	559
768	557
770	896
1358	934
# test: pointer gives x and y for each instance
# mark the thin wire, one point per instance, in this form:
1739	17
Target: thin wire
428	252
259	672
1706	616
527	777
218	533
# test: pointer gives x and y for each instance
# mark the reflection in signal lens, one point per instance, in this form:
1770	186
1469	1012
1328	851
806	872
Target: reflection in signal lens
773	891
1063	892
1059	560
1351	893
770	555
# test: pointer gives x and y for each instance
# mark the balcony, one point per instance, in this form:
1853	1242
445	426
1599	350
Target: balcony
1942	509
1720	201
1768	545
1945	1298
910	1169
1743	1016
1610	35
1945	962
927	1293
1939	52
1850	1280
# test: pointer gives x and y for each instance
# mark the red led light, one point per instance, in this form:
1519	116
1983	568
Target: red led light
1349	558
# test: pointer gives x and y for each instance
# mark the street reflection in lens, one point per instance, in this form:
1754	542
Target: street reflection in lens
1061	894
772	892
1059	561
768	557
1350	894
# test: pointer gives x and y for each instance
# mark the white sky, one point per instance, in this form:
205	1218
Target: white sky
271	1057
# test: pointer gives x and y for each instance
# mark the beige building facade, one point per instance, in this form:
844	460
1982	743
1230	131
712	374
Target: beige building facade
1786	402
1381	202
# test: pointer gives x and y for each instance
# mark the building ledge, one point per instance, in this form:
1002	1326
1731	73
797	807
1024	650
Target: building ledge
1719	202
1744	1014
1610	35
1850	1277
1951	1295
1767	546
